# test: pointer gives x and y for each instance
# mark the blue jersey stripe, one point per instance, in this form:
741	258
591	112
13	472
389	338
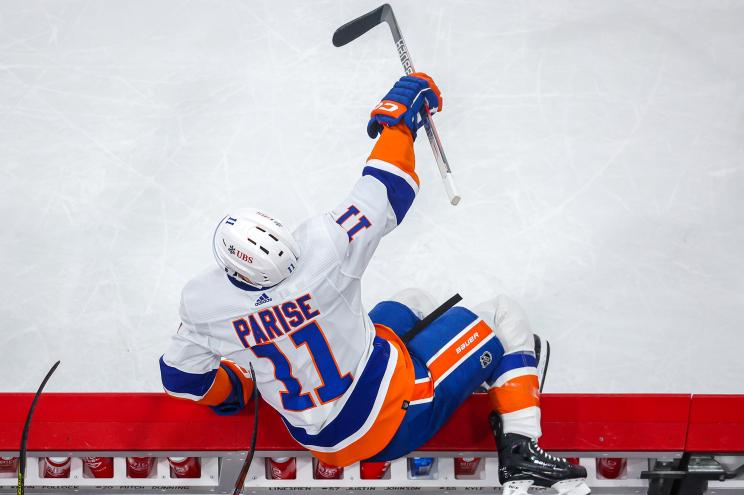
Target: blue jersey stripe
181	382
516	360
357	407
399	192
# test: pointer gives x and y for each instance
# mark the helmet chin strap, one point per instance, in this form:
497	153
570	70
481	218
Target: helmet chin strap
231	272
238	282
246	280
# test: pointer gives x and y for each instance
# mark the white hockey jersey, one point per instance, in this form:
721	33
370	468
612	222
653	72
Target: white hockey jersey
337	381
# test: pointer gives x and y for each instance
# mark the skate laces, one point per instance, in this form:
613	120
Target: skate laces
542	452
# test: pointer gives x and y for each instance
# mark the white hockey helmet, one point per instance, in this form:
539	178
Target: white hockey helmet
255	246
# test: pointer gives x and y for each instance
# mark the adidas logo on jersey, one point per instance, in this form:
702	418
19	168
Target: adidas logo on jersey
262	299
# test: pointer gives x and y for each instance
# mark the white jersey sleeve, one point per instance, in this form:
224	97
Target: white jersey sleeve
189	366
378	202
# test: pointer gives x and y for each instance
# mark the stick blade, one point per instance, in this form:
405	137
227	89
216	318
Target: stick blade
357	27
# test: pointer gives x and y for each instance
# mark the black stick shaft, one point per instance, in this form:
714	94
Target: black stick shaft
24	436
357	27
429	319
431	131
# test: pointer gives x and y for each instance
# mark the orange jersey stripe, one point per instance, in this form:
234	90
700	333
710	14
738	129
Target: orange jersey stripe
458	350
518	393
395	146
391	414
423	390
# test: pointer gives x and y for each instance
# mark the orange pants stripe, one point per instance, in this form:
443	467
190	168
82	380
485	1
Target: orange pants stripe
518	393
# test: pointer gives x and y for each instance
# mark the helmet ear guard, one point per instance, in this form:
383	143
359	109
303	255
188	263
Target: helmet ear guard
255	247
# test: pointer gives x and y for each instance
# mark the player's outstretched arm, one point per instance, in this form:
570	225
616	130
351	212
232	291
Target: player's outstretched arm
397	118
190	370
389	184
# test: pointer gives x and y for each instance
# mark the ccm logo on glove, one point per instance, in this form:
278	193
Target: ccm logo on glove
388	106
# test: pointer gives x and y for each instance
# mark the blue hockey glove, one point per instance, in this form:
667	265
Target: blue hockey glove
404	103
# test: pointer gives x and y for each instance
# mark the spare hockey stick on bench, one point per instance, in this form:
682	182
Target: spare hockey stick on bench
240	482
353	30
429	319
20	490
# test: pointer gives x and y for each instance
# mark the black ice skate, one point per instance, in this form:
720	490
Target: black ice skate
522	464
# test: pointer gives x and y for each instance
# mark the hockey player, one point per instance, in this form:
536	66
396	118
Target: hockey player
348	388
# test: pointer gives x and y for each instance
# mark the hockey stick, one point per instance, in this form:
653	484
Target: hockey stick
249	458
421	325
356	28
24	436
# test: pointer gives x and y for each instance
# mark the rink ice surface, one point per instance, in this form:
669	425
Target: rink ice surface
598	147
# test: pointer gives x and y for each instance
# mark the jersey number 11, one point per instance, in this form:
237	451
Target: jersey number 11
333	384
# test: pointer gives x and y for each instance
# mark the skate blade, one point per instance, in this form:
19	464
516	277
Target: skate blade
543	360
572	487
516	487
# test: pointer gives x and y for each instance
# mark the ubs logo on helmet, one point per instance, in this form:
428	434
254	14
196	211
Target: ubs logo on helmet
240	254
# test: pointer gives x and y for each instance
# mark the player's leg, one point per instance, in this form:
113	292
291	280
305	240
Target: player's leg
514	395
403	310
417	300
452	357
